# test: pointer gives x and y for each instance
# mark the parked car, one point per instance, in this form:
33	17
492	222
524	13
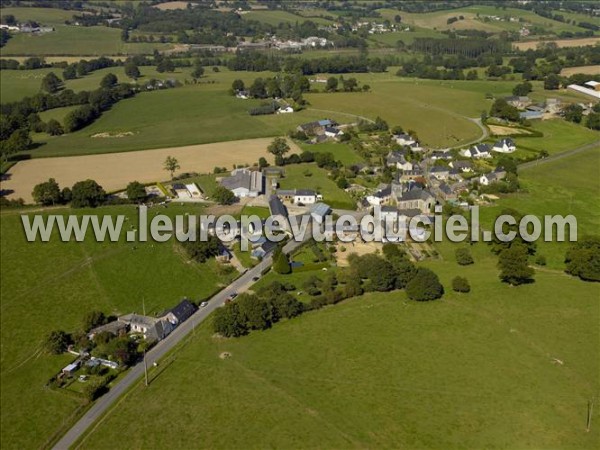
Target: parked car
203	304
255	278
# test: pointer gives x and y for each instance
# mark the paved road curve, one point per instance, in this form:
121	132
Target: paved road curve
162	348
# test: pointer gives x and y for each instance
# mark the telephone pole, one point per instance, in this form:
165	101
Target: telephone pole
145	369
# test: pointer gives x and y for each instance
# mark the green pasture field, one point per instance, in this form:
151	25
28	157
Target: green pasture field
295	178
438	111
407	37
438	19
559	136
56	113
44	16
473	370
276	17
68	39
341	152
49	286
566	186
176	117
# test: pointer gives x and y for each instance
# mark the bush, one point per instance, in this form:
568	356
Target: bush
282	264
461	284
540	260
57	342
424	286
463	256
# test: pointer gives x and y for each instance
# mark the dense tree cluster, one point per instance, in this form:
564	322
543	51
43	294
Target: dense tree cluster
583	259
256	311
202	250
514	266
254	61
471	48
396	271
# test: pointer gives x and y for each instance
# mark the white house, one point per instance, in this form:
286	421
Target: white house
405	139
477	151
506	145
489	178
440	172
463	166
305	197
380	197
333	132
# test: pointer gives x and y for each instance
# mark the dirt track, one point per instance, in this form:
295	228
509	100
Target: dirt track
113	171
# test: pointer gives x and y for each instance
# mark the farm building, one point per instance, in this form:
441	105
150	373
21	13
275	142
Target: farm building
276	207
319	211
71	368
244	183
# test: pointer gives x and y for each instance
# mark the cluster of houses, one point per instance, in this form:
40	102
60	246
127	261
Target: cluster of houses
321	130
530	110
26	28
484	151
152	329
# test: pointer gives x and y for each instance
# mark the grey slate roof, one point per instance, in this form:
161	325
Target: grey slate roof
183	310
276	207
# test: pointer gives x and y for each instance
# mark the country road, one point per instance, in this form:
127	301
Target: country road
557	156
136	372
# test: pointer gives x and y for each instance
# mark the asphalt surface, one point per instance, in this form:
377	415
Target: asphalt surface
162	348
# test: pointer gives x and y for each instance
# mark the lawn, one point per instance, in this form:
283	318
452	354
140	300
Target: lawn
559	136
50	286
71	40
309	176
176	117
468	371
438	19
341	152
276	17
44	16
567	186
438	111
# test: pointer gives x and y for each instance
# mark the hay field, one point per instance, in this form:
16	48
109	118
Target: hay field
114	171
559	42
588	70
171	6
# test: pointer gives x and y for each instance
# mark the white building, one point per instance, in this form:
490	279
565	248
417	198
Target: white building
506	145
305	197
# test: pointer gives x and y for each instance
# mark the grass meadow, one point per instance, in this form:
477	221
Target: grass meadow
468	371
439	111
68	39
309	176
566	186
341	152
49	286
